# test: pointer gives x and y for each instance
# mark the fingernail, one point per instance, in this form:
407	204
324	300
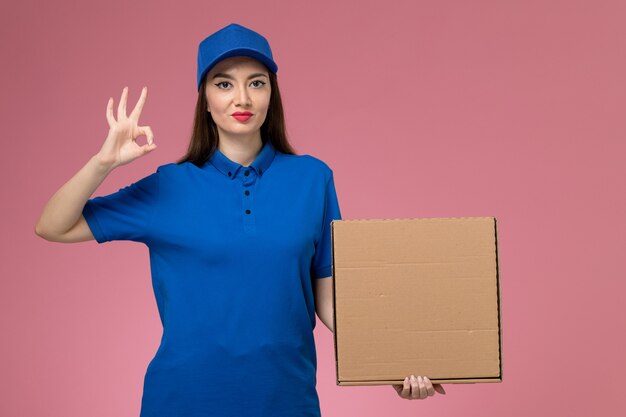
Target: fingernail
412	377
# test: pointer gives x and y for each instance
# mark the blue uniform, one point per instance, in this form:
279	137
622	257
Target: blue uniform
233	252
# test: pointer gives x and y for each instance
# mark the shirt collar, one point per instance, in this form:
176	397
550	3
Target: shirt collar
231	168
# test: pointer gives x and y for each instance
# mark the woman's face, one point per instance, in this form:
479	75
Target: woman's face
238	84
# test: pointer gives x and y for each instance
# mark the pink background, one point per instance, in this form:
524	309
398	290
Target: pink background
423	109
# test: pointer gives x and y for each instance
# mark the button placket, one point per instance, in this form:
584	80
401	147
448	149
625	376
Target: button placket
248	179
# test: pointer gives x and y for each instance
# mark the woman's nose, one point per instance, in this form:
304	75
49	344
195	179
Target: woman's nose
243	97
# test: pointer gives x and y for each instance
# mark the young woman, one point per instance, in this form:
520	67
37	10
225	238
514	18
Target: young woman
238	233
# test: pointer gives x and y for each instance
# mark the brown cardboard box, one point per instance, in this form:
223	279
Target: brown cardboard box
416	296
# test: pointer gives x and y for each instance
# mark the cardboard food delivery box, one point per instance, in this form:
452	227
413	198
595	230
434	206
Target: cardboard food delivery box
416	296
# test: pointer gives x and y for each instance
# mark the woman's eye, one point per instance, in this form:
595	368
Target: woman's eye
226	82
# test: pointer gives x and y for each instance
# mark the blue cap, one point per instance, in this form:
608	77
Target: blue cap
233	40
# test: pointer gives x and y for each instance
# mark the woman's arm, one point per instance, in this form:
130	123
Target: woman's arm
323	291
62	219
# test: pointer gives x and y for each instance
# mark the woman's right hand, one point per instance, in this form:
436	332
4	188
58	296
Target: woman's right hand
120	147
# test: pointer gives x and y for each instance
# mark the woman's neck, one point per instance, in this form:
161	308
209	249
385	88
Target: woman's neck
242	151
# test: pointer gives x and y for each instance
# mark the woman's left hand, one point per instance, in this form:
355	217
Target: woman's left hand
417	388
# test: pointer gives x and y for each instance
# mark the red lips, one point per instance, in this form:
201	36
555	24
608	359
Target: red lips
242	116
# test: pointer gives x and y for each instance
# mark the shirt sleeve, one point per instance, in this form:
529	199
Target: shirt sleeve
124	214
322	259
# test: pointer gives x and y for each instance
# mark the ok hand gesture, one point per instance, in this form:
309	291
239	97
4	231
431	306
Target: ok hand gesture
120	147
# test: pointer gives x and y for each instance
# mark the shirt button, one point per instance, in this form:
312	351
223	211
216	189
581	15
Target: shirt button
260	171
247	211
247	192
229	174
246	173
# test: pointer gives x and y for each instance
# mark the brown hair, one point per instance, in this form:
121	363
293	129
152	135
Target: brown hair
205	137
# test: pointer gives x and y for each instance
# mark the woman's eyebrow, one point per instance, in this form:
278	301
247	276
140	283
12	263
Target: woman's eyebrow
257	74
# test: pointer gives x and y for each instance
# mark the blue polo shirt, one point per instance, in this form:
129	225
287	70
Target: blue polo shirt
233	252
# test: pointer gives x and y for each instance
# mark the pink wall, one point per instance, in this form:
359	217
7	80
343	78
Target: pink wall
422	109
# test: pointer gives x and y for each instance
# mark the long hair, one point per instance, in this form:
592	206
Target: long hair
205	137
